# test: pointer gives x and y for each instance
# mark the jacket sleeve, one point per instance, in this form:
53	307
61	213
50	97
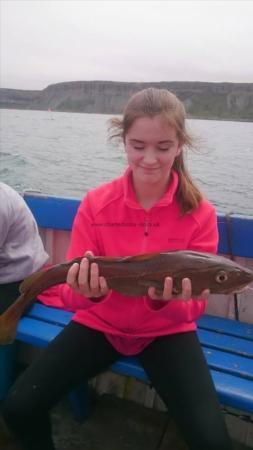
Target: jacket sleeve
83	238
205	238
5	219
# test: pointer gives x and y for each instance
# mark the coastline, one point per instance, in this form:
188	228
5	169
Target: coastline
191	117
202	100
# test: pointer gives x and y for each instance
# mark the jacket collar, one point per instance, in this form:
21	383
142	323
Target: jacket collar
130	196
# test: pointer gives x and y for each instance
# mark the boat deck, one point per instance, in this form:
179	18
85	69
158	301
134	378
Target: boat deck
118	424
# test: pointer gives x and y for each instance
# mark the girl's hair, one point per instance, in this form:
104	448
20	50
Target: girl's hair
152	102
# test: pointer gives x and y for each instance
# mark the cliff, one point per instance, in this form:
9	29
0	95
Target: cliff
226	101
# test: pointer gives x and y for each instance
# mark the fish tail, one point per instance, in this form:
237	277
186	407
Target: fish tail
29	281
9	320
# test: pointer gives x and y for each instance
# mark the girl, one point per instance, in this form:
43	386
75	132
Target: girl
154	206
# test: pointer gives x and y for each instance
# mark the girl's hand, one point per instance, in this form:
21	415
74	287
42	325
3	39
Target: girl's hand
167	293
78	279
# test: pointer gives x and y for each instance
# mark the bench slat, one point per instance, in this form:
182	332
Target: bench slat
52	212
131	366
229	363
226	343
36	333
49	314
226	326
233	391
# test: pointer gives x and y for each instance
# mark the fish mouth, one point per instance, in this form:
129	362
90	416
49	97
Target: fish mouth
245	283
240	289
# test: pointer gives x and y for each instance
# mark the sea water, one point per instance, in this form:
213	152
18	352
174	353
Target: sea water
66	154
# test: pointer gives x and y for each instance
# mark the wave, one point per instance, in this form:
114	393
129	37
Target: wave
12	158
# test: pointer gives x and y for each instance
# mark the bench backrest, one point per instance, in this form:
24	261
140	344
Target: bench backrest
235	234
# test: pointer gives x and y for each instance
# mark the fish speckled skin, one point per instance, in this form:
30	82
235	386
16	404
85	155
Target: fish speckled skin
133	275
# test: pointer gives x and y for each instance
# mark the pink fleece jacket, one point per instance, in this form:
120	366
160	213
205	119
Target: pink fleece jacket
110	221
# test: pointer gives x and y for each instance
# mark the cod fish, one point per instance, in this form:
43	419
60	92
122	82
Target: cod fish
133	275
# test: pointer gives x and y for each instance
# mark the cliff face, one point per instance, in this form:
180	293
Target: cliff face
16	98
228	101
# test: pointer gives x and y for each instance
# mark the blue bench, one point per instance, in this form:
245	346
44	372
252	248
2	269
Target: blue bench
227	344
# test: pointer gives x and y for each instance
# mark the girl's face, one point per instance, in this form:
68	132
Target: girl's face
151	146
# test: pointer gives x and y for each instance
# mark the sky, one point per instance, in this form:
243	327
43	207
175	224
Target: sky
51	41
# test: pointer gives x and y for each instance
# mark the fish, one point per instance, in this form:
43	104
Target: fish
133	275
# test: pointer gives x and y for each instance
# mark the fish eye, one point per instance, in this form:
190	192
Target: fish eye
221	277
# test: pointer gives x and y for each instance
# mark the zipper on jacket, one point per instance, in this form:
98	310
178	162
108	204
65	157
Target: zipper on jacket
146	227
146	231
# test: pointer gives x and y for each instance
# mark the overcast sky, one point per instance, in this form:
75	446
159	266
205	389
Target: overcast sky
45	42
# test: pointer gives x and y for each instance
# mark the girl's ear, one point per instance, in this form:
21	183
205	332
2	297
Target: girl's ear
179	150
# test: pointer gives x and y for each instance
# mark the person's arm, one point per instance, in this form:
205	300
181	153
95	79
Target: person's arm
5	220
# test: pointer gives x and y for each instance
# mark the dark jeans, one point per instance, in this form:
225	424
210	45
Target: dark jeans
175	365
8	294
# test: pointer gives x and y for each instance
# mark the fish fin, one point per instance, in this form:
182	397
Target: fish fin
107	258
133	258
144	257
28	281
